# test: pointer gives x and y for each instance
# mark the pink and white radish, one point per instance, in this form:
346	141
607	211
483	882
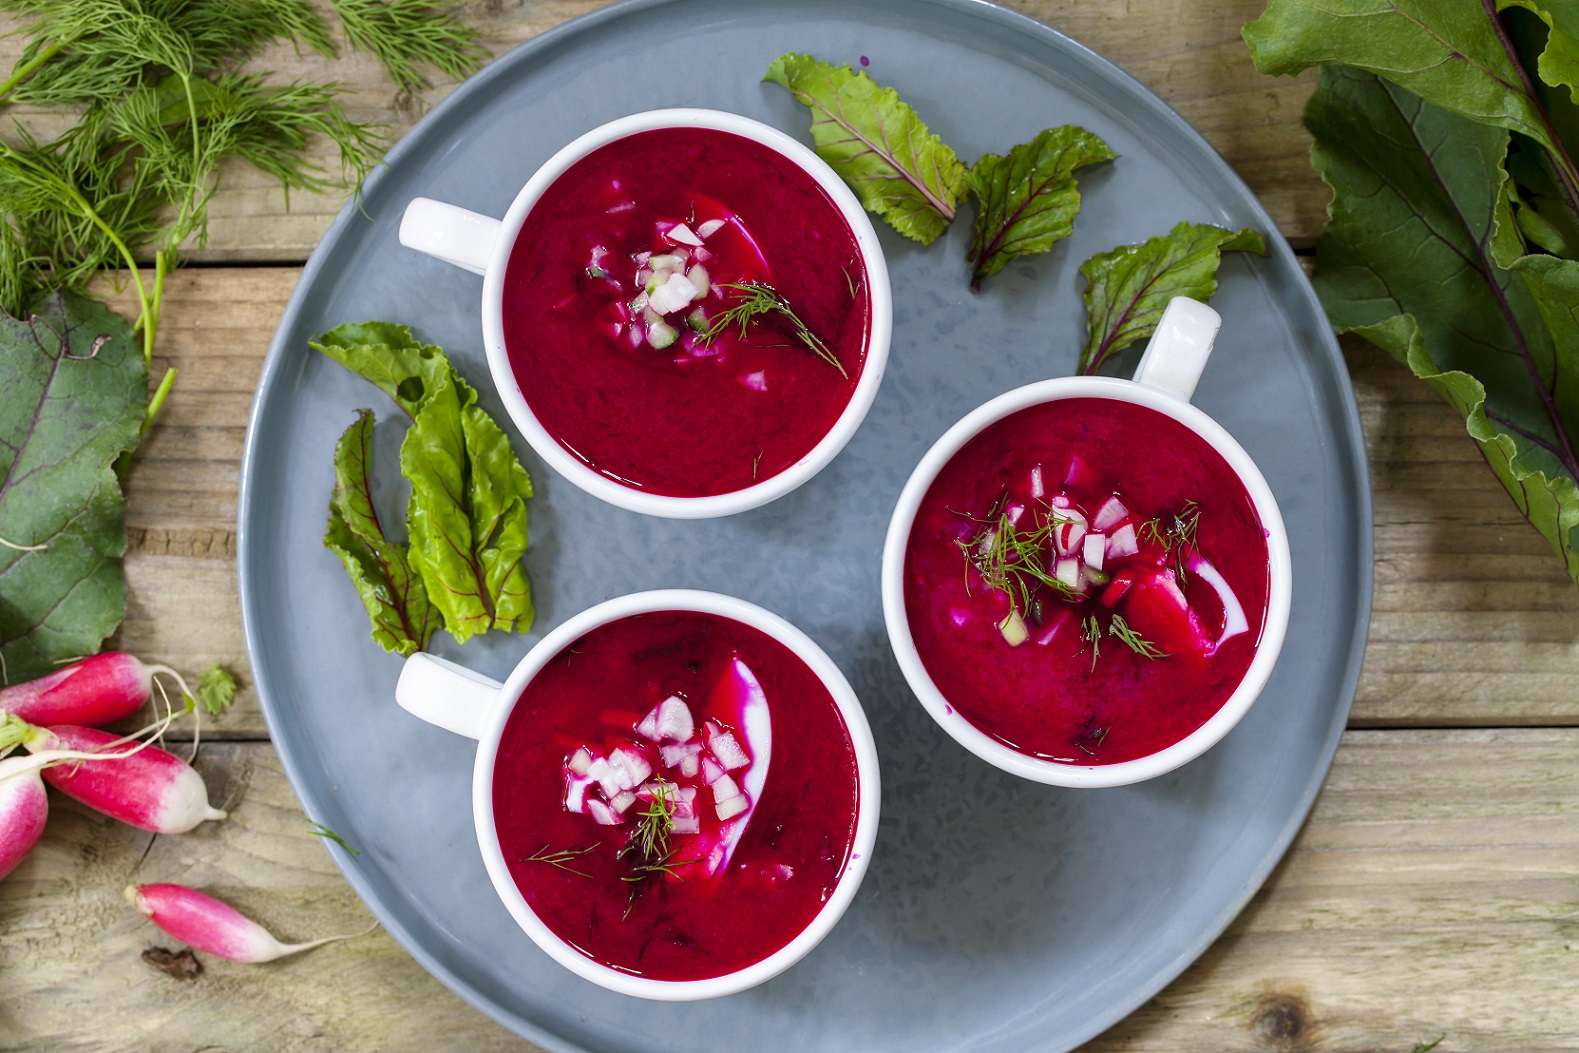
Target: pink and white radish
23	808
206	924
93	692
151	788
23	803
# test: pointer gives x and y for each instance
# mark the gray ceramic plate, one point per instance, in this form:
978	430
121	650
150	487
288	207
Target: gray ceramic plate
998	914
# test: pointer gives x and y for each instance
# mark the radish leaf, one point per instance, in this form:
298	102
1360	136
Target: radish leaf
1028	200
878	144
72	401
1127	289
1421	258
216	689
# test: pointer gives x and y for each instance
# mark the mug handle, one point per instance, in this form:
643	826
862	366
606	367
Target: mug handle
450	233
449	695
1179	348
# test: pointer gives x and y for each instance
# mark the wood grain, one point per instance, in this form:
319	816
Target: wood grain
1456	565
1435	890
1189	53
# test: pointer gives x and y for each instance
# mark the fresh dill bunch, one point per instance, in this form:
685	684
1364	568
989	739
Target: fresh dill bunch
400	34
163	103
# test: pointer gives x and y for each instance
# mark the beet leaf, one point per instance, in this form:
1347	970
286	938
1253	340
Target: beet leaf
1128	289
877	144
73	395
1027	201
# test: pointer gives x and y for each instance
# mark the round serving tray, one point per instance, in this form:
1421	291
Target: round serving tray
998	914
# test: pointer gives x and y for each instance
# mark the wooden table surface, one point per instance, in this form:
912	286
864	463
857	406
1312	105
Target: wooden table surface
1434	890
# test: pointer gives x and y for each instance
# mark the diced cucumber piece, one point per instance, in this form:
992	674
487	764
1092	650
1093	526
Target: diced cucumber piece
661	334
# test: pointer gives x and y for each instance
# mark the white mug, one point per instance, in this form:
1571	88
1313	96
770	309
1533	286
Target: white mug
482	244
457	699
1164	381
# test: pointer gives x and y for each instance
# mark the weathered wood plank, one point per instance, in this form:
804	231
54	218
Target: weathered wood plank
1189	53
1414	903
1456	564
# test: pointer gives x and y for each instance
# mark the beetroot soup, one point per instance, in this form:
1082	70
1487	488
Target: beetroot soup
1086	581
686	312
675	795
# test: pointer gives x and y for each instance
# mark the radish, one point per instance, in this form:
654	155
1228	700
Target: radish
23	804
152	788
93	692
23	809
206	924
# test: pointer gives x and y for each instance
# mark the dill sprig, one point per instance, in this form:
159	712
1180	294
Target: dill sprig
649	842
163	103
1091	630
1176	534
317	829
1133	640
561	858
1013	561
758	299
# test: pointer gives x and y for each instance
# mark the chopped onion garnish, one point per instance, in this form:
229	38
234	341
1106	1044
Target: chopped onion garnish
1069	571
580	761
682	234
724	788
727	810
1036	483
1109	515
676	292
1014	630
603	772
674	719
1123	542
1093	549
709	228
1234	620
622	801
757	381
726	748
673	755
648	728
604	815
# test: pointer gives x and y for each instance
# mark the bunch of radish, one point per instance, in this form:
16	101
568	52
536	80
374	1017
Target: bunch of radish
56	719
127	779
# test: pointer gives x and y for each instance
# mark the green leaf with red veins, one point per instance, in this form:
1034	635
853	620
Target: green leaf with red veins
396	601
1127	289
877	144
467	513
1410	261
388	355
1027	201
73	393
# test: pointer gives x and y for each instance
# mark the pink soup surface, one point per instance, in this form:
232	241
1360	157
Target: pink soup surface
1048	695
793	834
698	416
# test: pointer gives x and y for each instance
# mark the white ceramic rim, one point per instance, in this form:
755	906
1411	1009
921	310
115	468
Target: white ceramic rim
868	793
815	459
1279	593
